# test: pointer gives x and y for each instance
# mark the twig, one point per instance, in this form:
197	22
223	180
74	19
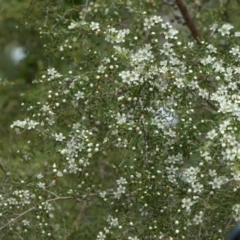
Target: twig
87	2
50	192
3	169
60	198
78	221
189	21
46	18
19	216
33	208
211	105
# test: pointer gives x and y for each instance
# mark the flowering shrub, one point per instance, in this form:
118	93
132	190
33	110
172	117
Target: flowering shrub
144	125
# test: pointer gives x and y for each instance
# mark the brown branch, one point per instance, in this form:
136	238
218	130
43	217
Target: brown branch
3	169
77	222
188	20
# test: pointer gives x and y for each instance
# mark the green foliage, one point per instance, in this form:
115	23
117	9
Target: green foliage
129	129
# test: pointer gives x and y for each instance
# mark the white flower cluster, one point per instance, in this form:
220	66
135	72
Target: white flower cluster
19	198
53	74
24	124
236	212
116	36
187	204
121	189
149	22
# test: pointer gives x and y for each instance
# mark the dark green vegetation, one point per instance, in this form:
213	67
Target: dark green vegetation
79	208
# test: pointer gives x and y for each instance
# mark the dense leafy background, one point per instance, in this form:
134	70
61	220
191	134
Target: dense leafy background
40	28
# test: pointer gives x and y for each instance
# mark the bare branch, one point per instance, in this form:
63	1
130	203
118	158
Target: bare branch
189	21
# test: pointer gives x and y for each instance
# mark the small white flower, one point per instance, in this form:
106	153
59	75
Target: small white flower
211	48
197	187
59	137
237	34
39	176
171	34
212	134
234	50
121	181
41	185
121	118
156	19
133	238
101	236
198	218
214	27
72	25
32	124
51	71
187	203
225	29
25	222
114	222
148	23
79	95
59	174
103	194
217	182
236	211
212	173
94	26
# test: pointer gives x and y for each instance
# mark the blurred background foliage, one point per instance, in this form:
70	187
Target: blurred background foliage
23	58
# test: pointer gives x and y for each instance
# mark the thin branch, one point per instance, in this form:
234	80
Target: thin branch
19	216
212	105
54	194
33	208
87	2
189	21
3	169
77	222
60	198
199	8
